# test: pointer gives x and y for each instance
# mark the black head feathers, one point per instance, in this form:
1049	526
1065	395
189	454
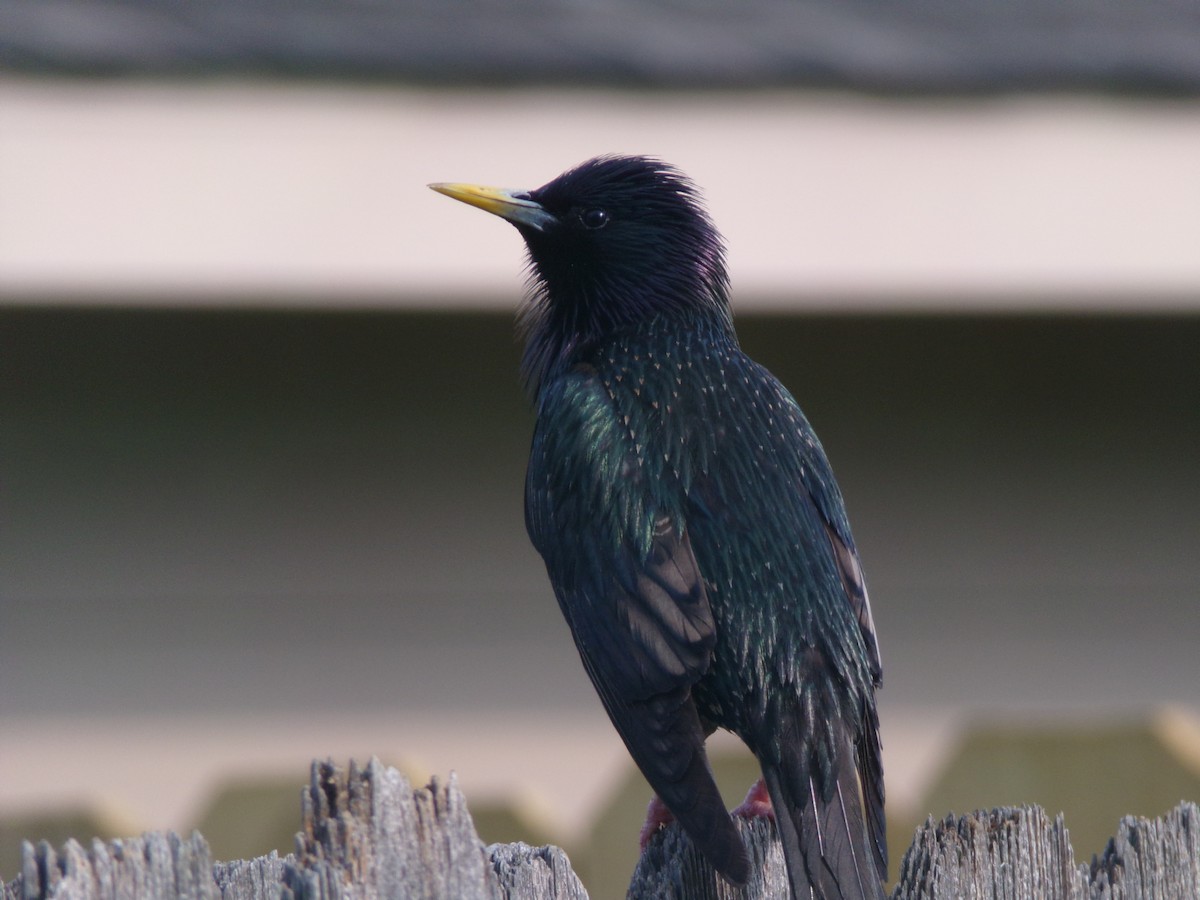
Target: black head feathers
613	243
629	238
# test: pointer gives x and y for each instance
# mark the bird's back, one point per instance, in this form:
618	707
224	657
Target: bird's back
720	435
723	446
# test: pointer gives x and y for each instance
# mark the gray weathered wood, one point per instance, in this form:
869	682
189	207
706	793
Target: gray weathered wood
251	879
671	868
1151	858
1019	853
154	865
1005	853
367	834
525	871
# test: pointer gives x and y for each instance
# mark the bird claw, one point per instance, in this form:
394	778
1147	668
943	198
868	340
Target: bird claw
657	816
757	803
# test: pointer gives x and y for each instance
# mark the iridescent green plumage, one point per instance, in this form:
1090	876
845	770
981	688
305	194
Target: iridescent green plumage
692	528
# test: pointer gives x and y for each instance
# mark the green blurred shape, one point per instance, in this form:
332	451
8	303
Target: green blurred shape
55	828
504	822
252	816
1093	774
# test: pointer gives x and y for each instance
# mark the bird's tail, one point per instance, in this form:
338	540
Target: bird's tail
697	805
829	854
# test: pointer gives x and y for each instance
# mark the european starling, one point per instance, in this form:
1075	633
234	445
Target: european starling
691	525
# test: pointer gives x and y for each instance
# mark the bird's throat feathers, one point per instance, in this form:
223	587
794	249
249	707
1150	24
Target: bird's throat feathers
572	308
622	242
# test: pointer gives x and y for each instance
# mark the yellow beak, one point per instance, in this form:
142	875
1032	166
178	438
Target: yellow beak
515	206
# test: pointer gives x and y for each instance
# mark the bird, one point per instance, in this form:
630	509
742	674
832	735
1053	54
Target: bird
691	526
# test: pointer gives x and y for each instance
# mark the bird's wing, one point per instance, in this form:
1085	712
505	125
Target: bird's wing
784	485
869	750
819	486
623	570
850	571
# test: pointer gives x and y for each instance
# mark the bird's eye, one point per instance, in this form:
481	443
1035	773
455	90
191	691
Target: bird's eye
593	218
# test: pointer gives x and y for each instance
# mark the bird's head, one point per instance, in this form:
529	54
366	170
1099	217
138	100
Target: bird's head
612	242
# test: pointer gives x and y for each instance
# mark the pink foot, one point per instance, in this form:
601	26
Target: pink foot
657	816
757	803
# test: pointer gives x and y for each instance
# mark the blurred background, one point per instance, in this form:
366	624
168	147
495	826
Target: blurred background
262	440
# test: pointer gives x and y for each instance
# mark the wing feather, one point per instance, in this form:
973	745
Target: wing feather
621	563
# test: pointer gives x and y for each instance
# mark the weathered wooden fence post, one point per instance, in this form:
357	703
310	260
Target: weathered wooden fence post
367	834
1003	854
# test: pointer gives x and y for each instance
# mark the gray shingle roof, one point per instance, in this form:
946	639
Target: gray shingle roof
886	45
